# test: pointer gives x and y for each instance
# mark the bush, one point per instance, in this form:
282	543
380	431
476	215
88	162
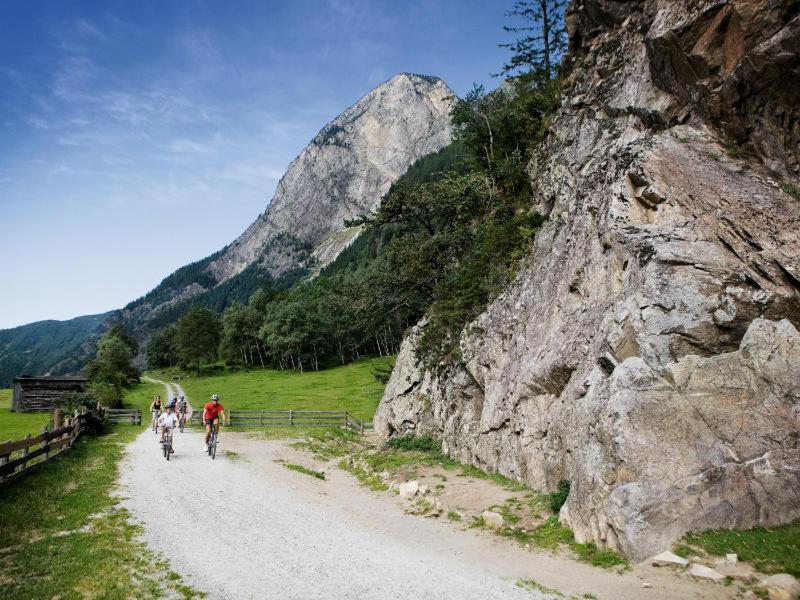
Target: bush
383	373
409	443
557	499
94	423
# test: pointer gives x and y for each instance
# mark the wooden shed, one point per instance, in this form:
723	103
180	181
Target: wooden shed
43	393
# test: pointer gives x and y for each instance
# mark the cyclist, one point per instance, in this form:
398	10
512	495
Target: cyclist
183	409
155	408
211	412
168	421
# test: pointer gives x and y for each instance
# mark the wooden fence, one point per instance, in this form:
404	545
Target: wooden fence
131	416
18	458
291	418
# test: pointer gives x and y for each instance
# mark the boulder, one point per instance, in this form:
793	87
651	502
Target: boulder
704	572
668	559
408	489
781	586
493	519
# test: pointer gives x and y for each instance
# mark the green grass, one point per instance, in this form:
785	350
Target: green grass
769	550
531	585
61	533
141	396
453	516
551	535
327	443
351	387
365	477
304	470
426	451
16	425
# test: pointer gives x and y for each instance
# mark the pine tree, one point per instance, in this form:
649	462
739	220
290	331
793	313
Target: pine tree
543	39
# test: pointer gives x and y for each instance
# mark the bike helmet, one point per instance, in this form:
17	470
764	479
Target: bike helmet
215	397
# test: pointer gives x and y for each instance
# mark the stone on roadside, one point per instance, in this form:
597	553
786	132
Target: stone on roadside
704	572
781	586
647	585
668	559
408	489
732	558
493	519
424	489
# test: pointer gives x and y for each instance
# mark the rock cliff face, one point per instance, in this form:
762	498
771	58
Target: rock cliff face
343	173
647	351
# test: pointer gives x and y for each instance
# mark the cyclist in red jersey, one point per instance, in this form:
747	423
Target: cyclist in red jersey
211	412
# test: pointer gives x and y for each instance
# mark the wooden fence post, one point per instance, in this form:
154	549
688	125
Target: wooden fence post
58	419
262	416
4	460
291	418
45	443
345	420
25	451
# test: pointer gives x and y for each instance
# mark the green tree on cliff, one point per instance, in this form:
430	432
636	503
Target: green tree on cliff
542	41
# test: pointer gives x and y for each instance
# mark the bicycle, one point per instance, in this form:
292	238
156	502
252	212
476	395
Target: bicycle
166	443
182	421
212	442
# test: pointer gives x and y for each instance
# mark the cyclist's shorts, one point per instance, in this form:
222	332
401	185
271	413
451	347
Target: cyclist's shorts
211	421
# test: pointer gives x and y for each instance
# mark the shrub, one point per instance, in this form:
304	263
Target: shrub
408	443
555	500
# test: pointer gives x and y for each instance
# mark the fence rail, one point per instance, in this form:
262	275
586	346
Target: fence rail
20	457
292	418
132	416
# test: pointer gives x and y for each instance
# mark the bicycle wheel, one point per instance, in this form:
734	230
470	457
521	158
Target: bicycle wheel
214	448
169	449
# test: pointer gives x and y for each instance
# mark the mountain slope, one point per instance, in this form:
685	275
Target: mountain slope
34	348
345	170
343	173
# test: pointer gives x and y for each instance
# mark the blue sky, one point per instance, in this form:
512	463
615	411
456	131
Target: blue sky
138	136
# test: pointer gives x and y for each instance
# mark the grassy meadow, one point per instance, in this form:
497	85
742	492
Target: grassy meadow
14	426
62	534
351	387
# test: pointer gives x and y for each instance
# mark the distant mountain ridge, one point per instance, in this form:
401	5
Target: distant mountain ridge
343	172
34	348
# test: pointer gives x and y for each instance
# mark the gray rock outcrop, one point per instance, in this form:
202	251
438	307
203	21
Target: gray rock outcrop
647	351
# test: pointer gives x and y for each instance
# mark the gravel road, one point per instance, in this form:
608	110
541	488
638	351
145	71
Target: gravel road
244	526
232	532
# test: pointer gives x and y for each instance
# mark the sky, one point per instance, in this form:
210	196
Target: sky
137	136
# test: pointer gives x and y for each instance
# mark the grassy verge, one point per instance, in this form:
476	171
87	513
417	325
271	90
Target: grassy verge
16	425
63	535
769	550
302	469
352	388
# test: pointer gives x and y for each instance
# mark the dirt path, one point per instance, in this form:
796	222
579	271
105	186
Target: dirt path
244	526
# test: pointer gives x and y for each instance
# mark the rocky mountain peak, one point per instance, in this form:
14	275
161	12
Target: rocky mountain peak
345	170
